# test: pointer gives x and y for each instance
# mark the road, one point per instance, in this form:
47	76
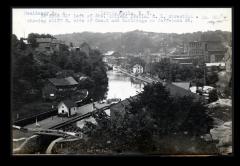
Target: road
55	120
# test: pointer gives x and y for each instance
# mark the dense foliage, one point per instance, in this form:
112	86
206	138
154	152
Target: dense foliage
30	69
176	72
213	95
155	114
135	60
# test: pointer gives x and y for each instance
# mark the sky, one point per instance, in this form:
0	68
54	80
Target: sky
163	20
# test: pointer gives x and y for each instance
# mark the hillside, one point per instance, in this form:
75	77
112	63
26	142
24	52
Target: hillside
138	41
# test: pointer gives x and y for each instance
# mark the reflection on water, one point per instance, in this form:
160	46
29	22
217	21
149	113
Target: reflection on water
119	86
122	86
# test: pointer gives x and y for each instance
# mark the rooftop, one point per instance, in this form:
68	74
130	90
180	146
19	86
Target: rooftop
63	81
69	103
184	85
179	91
137	65
48	40
43	40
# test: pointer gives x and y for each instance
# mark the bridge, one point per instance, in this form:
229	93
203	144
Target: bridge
144	79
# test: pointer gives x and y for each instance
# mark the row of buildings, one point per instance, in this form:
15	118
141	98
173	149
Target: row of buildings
199	52
48	45
211	53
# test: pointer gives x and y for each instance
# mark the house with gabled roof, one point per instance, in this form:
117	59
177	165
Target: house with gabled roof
67	108
56	87
137	69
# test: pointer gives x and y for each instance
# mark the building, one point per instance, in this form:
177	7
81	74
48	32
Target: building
215	51
48	45
182	59
198	52
137	69
67	108
74	49
111	57
57	87
197	48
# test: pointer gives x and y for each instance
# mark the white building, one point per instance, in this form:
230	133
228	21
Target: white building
137	69
67	108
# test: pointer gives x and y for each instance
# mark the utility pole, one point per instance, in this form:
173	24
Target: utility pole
204	74
204	69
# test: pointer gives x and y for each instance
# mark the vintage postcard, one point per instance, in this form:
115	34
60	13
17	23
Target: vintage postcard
121	81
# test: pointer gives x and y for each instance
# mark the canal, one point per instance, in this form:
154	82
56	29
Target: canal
122	86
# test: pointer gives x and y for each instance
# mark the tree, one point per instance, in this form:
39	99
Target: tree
212	78
14	41
163	70
135	60
213	95
156	113
32	39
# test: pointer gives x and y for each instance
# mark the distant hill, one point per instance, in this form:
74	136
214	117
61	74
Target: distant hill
138	41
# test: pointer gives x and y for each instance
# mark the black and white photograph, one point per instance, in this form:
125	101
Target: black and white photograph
121	81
